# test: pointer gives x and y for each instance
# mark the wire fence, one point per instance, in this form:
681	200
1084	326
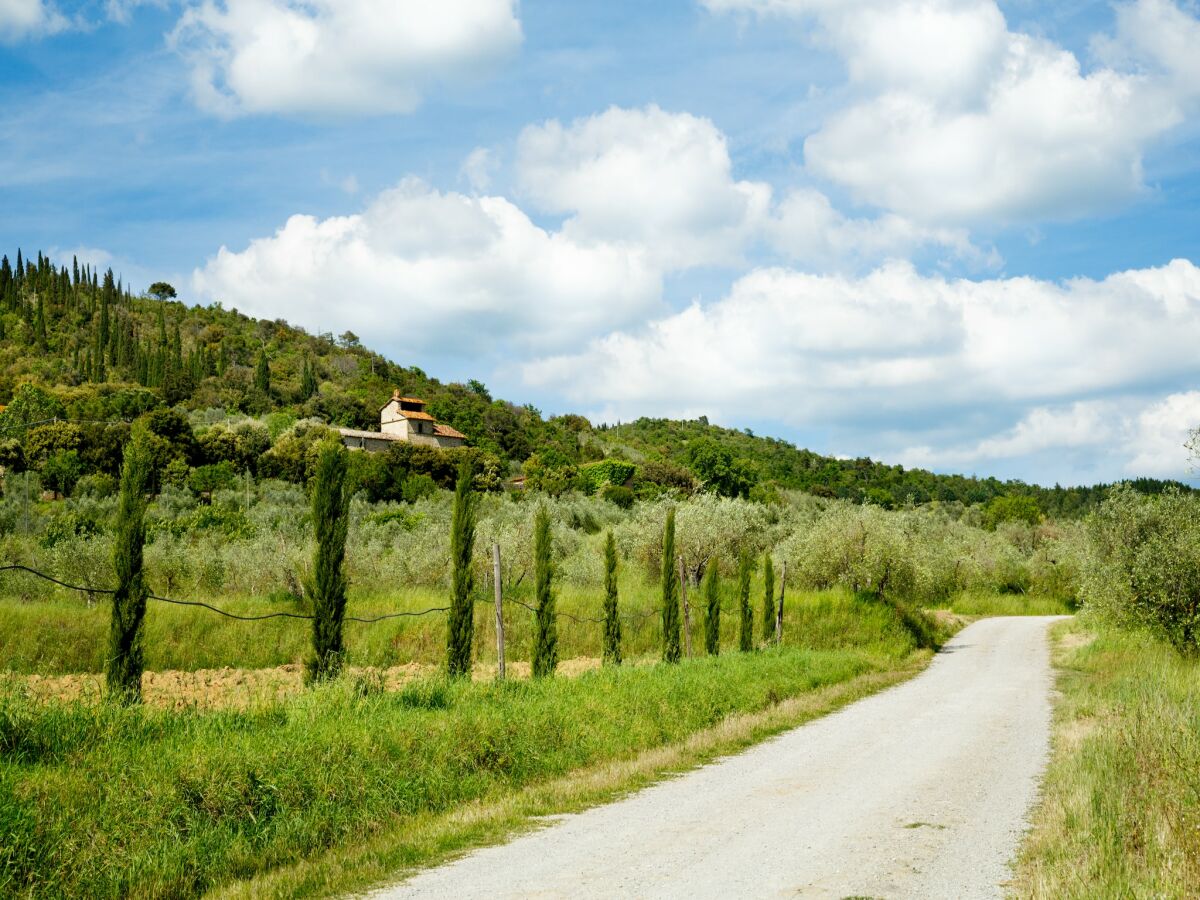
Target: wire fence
368	620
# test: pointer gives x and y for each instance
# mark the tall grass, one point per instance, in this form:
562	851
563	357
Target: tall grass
102	801
61	637
1120	811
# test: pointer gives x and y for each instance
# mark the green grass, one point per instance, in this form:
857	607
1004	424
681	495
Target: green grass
1120	811
994	604
60	636
101	801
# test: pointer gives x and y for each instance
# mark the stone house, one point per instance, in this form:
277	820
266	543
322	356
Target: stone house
403	419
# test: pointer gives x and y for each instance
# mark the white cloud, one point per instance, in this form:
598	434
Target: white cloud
29	18
1143	437
955	119
1159	433
477	169
664	181
336	57
896	346
643	176
806	229
435	275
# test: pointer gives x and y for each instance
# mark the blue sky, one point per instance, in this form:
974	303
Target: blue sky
953	233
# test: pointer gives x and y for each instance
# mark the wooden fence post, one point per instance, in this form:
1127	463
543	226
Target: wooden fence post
687	610
779	608
498	585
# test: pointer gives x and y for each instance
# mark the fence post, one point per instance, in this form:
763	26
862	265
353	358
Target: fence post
687	610
497	584
779	608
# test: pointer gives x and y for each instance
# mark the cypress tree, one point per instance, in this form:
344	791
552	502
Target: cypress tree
670	594
262	374
308	380
125	652
460	624
545	647
327	587
746	629
712	609
768	609
612	622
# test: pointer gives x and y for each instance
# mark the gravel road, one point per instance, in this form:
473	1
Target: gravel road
919	791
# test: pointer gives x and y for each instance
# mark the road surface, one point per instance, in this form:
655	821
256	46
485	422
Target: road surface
919	791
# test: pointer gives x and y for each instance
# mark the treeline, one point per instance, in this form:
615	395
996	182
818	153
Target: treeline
745	462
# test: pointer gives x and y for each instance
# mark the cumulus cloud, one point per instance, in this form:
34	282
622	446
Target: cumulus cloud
1141	436
658	179
440	274
806	229
896	347
954	118
29	18
664	181
336	57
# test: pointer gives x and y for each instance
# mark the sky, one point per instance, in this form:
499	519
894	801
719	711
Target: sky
956	234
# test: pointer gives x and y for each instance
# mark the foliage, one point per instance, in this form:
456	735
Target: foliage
768	607
746	614
1011	509
125	649
1143	567
327	586
460	623
545	649
612	620
671	651
608	472
711	589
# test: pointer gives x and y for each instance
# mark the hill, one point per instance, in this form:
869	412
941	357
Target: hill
105	355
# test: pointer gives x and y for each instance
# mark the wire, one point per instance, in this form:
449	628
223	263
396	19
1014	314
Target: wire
221	612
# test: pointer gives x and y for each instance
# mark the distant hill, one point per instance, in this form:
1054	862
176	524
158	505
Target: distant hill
107	354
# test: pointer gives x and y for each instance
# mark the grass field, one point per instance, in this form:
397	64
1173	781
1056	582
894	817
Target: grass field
1120	811
62	636
101	801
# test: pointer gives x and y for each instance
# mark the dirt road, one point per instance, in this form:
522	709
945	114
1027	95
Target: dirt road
920	791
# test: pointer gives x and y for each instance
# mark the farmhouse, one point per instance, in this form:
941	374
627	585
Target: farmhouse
403	419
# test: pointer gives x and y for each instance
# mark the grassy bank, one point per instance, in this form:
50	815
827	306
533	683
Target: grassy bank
1120	811
100	801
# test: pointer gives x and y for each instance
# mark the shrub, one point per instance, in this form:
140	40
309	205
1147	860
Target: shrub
1143	565
611	472
618	495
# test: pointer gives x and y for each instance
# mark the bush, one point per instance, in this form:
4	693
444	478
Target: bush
1143	567
618	495
611	472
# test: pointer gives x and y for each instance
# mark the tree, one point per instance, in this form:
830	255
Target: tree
31	405
768	609
262	374
460	623
612	621
670	594
327	586
162	290
711	589
308	381
125	661
717	468
545	647
61	471
746	625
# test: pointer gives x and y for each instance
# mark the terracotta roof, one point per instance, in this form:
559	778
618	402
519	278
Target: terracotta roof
447	431
416	414
376	435
396	396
